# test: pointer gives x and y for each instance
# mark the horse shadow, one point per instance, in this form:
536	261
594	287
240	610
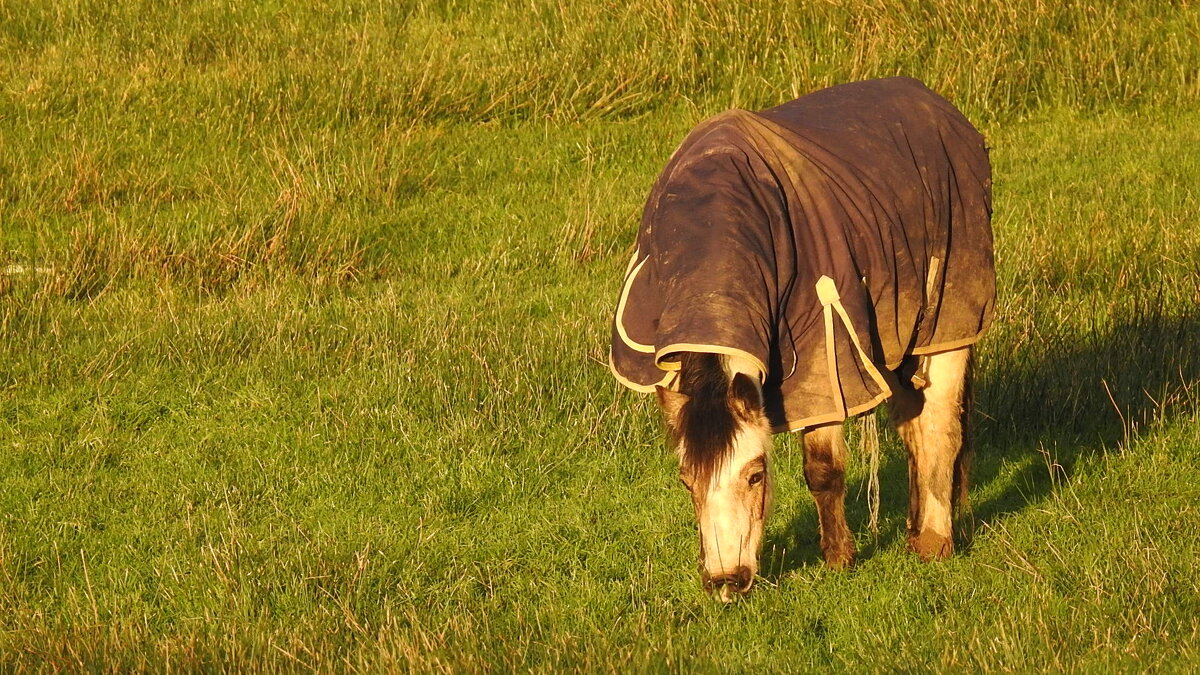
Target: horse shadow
1040	407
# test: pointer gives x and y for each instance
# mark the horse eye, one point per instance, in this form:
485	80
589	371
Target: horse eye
684	483
757	477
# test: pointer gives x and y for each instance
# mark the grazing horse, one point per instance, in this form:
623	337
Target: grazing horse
799	266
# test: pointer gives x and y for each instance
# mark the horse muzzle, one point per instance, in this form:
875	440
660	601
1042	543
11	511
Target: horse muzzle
727	584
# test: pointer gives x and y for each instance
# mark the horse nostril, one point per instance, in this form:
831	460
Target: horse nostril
740	579
743	577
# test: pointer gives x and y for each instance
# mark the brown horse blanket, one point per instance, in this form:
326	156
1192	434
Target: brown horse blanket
825	239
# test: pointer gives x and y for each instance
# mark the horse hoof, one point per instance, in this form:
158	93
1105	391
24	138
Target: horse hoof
839	559
931	546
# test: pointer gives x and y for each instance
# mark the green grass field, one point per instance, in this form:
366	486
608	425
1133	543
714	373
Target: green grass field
304	316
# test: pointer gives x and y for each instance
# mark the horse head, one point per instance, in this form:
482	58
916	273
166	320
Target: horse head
720	433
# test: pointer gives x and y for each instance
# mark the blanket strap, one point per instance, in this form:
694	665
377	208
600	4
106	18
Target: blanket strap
827	293
831	301
920	378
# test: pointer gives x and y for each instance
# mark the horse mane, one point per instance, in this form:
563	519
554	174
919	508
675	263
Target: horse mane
709	420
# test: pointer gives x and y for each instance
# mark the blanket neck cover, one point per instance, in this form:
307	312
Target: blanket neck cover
825	239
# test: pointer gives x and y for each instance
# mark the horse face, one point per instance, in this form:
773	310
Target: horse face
729	483
730	509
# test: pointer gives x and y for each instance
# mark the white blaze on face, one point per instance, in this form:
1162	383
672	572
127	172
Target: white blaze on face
723	440
731	509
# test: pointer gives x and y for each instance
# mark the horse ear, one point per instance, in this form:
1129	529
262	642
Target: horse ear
746	396
671	403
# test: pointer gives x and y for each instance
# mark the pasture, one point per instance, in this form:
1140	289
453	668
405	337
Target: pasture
304	317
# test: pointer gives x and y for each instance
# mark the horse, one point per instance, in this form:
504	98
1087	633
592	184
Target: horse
797	267
717	425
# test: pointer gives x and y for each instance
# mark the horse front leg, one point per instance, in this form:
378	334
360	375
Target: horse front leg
930	421
825	474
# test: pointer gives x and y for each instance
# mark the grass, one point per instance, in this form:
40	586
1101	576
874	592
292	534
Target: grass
303	321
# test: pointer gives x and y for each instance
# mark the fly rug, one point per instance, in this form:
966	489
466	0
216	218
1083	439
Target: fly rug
796	267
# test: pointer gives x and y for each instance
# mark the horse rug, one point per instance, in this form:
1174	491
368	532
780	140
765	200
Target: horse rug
825	240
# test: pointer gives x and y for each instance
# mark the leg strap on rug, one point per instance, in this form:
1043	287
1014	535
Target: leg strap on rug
831	301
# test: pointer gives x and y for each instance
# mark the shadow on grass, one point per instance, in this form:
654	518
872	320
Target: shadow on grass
1039	410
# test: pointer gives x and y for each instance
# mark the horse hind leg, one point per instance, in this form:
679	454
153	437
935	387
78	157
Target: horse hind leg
930	422
825	474
966	455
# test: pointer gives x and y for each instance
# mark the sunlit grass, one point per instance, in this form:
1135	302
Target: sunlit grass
303	319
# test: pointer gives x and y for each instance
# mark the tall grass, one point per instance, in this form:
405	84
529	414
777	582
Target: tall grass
201	140
382	63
